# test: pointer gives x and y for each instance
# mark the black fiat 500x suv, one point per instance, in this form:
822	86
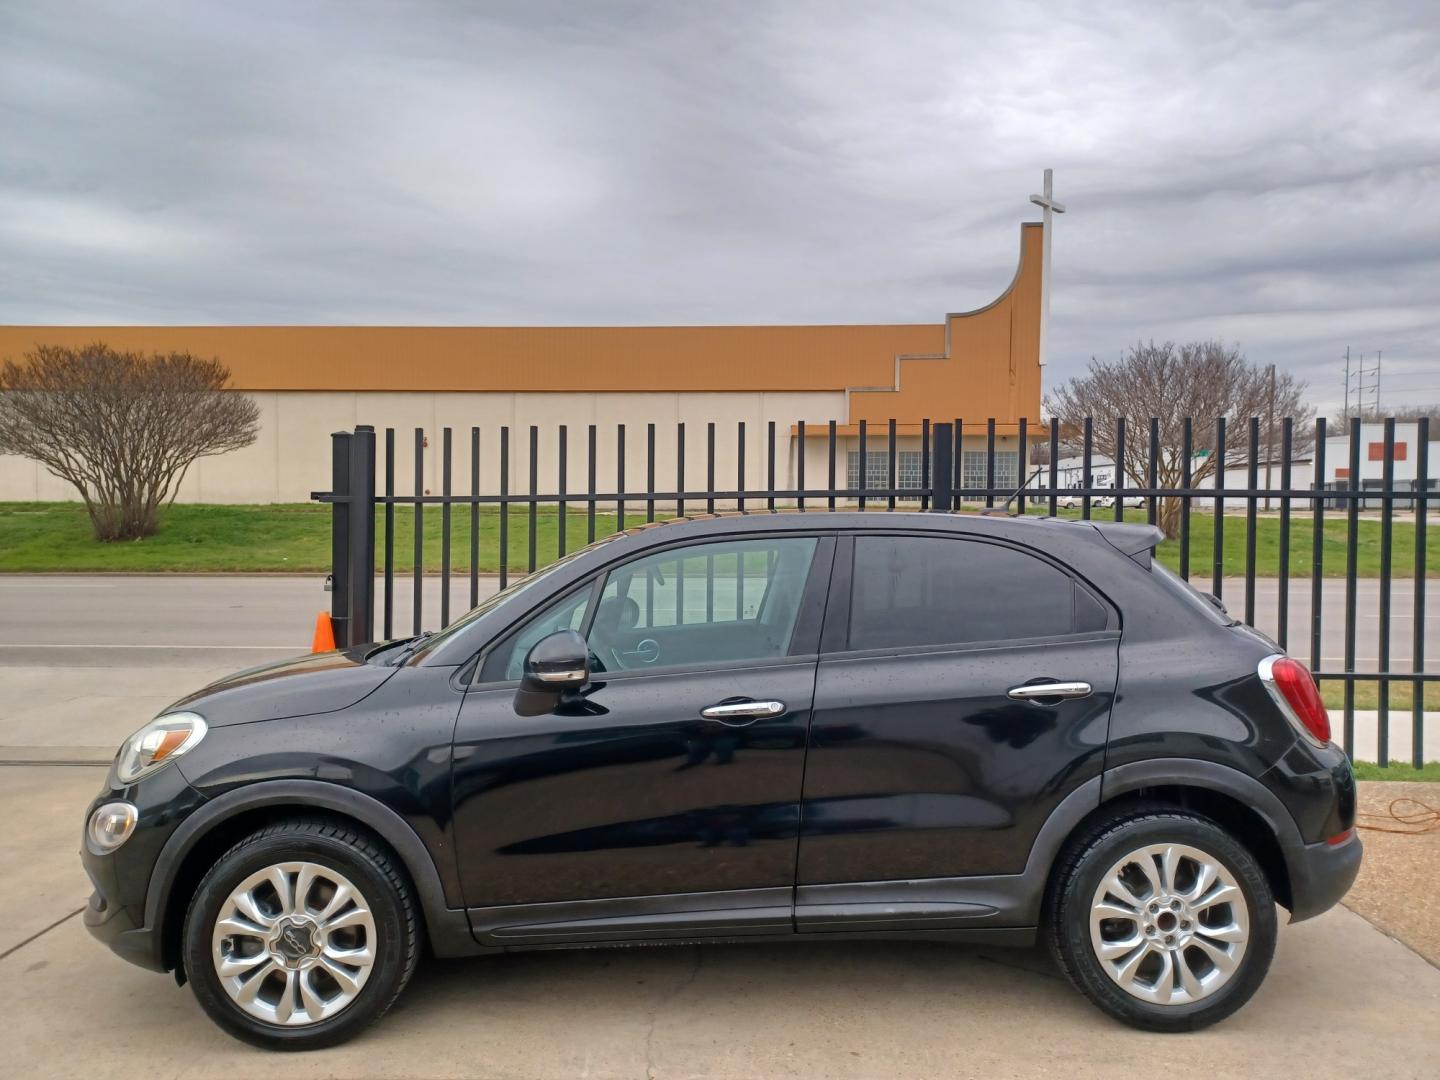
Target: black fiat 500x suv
762	727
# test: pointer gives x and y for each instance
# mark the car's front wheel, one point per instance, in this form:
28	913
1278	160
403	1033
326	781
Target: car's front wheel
1162	919
300	935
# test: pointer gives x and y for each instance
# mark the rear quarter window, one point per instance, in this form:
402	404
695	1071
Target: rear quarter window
1189	596
923	590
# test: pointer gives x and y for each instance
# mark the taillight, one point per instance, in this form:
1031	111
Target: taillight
1293	688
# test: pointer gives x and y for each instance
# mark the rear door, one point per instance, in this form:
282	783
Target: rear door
943	735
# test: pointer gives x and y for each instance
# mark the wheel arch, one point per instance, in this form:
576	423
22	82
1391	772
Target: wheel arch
219	823
1236	801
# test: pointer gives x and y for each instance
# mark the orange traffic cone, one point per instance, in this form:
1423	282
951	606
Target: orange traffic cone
324	634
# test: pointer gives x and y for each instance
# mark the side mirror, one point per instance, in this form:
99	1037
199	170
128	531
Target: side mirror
555	665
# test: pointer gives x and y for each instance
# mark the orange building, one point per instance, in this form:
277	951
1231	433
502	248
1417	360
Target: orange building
310	380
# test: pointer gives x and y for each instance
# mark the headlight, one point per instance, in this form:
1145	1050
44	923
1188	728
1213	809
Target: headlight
110	826
157	744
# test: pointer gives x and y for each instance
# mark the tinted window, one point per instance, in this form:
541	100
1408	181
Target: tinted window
1190	596
919	590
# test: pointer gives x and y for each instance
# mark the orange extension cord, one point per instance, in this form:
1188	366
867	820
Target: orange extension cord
1423	818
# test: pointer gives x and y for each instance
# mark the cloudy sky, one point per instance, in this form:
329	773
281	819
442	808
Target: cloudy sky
1264	172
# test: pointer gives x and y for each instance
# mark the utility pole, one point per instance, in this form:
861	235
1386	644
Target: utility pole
1347	383
1367	385
1269	436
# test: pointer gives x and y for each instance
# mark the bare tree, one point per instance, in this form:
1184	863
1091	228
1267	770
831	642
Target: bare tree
122	427
1203	380
1405	415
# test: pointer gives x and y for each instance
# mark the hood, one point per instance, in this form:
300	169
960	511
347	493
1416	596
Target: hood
317	683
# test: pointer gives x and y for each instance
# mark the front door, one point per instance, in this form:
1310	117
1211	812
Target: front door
670	797
935	751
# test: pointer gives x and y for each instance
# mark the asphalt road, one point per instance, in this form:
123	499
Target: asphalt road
84	660
1342	1000
144	621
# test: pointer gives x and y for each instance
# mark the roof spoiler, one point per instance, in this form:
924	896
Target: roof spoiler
1136	541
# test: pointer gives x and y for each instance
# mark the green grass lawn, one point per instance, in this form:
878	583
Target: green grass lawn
296	537
1367	695
1368	770
38	537
1302	536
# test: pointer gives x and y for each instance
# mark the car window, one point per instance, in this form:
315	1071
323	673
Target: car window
706	603
507	660
1190	596
922	590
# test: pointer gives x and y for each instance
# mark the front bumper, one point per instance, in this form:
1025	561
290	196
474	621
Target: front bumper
121	878
115	926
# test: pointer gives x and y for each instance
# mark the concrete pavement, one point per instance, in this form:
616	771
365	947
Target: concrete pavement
83	661
1341	1000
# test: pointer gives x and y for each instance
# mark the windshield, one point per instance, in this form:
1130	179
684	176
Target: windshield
504	596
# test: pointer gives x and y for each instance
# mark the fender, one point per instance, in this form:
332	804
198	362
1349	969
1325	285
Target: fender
445	924
1195	772
1018	899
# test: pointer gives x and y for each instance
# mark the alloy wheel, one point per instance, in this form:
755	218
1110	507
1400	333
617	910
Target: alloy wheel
1169	924
294	943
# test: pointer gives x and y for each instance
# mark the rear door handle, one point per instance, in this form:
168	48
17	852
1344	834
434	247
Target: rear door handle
1031	691
740	713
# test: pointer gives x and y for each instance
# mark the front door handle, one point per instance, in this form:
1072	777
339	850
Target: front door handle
740	713
1031	691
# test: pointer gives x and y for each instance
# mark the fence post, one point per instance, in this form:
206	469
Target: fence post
340	536
943	476
361	556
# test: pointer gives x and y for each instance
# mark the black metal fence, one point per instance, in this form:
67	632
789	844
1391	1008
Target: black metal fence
365	530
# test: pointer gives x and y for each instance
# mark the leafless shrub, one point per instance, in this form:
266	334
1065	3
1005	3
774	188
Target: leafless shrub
1204	380
121	427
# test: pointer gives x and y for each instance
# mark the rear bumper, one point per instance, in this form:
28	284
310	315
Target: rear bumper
1320	874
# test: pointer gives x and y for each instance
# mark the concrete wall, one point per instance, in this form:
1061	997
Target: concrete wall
291	457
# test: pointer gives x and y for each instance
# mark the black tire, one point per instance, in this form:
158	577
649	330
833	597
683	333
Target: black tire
1078	874
366	864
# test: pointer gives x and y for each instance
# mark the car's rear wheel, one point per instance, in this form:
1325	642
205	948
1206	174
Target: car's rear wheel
300	935
1162	919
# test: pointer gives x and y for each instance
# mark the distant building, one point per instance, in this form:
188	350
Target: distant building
312	380
1269	474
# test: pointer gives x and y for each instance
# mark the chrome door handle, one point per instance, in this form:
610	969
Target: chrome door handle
1030	691
740	713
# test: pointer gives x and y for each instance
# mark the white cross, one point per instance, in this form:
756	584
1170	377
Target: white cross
1047	203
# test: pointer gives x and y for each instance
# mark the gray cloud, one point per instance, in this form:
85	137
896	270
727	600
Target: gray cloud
1261	172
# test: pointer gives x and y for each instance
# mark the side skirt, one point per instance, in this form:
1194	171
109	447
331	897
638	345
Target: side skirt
738	913
946	909
1022	937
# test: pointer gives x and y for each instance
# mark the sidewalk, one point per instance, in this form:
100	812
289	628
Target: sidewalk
1367	734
